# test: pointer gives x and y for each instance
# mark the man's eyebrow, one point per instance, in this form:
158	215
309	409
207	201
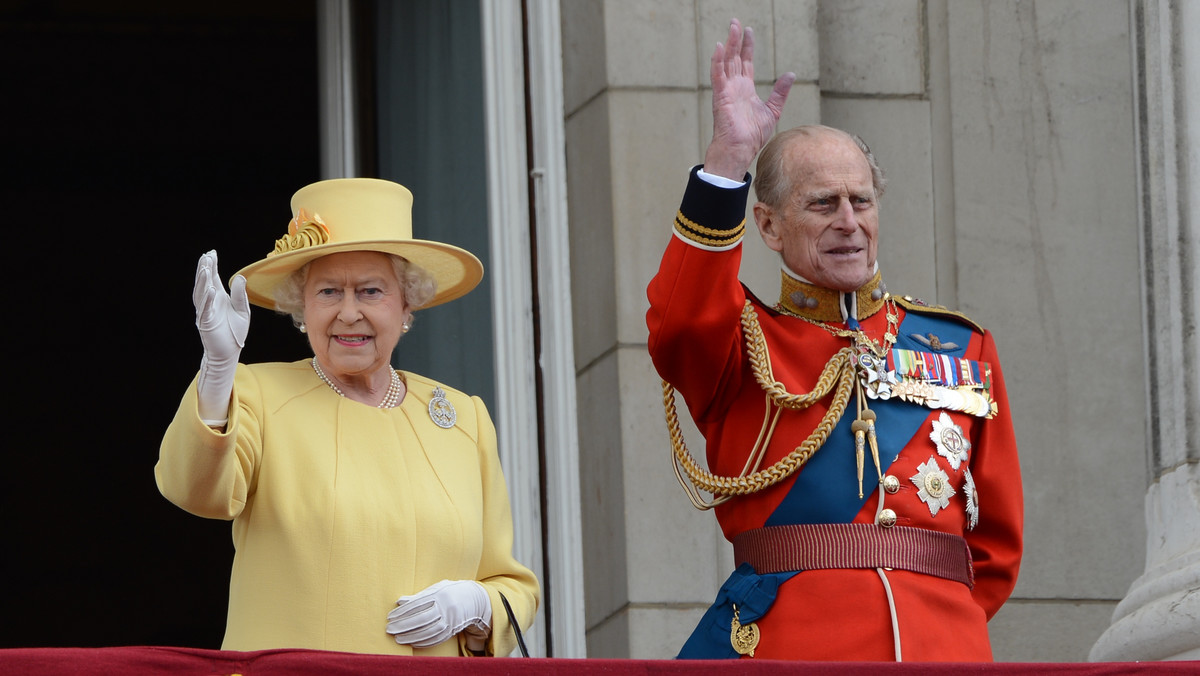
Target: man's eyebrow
819	195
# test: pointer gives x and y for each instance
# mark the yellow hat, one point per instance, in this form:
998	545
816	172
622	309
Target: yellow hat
358	214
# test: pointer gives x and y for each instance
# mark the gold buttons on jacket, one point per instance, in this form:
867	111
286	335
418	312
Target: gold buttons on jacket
891	484
887	518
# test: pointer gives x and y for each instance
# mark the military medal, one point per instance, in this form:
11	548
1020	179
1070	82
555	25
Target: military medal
441	411
875	377
915	391
972	499
933	485
941	381
949	439
743	637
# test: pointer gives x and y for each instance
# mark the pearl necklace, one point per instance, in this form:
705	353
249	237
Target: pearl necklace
390	399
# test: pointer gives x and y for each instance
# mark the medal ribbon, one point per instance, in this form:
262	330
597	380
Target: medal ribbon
939	369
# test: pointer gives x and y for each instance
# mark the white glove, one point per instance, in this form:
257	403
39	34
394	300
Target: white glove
440	611
223	322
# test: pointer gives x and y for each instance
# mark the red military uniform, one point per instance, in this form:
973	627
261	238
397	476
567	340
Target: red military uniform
949	470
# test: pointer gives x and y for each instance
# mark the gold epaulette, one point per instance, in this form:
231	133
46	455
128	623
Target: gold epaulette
918	306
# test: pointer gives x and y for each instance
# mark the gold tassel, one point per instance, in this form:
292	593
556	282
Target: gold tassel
869	416
860	432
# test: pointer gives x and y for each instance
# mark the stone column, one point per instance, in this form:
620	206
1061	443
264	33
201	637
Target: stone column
1159	618
638	117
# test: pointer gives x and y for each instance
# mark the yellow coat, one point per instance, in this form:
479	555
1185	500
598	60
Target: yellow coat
339	509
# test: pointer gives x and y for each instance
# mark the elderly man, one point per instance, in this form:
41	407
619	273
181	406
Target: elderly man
861	457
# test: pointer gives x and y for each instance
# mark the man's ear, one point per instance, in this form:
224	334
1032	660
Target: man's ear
769	226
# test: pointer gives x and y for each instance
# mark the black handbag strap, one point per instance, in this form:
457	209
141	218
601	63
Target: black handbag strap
512	619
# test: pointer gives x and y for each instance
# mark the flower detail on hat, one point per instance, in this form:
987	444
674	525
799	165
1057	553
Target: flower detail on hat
305	230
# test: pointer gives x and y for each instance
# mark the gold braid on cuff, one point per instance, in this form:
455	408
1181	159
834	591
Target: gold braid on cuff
839	369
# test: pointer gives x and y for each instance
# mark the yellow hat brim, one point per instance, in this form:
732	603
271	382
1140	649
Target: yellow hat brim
455	270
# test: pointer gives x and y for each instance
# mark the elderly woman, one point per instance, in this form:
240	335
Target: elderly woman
369	509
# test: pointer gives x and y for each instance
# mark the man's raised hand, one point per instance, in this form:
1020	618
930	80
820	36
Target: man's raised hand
742	122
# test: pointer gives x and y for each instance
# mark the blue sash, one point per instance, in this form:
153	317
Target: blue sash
753	594
823	492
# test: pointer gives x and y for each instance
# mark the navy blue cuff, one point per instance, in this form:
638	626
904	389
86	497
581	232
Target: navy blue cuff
711	216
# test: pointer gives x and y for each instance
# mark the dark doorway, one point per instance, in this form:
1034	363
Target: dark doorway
137	135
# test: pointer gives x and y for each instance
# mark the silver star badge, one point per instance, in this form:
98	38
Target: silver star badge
933	485
972	499
951	443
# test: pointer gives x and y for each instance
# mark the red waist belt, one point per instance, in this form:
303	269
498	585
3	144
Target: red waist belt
776	549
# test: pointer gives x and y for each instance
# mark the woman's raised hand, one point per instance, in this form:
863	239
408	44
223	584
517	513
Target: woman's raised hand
223	321
742	122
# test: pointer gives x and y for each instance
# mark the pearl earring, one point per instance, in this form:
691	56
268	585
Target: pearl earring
302	327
